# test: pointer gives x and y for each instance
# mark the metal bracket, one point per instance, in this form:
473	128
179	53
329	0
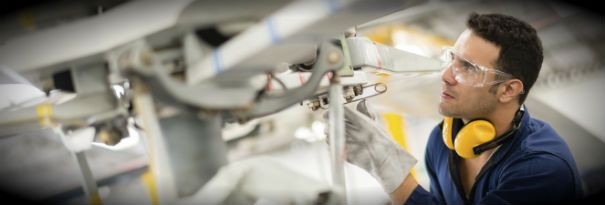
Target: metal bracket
330	59
243	99
137	58
351	94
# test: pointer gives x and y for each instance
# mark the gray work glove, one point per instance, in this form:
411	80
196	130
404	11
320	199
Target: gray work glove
370	147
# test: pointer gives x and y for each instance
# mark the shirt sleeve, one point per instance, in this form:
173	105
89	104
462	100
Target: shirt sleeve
420	195
540	178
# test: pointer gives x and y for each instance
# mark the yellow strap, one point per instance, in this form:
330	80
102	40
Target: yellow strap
95	199
149	181
45	112
395	124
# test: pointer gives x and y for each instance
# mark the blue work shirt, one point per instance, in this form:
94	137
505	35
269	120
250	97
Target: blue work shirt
535	166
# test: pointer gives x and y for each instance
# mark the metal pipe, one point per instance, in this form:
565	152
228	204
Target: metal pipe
336	134
159	162
88	182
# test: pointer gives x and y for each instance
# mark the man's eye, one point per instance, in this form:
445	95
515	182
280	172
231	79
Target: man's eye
469	67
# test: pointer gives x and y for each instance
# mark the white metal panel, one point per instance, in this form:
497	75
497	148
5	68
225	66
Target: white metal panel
90	36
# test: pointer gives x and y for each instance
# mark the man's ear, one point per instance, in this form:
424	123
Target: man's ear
510	90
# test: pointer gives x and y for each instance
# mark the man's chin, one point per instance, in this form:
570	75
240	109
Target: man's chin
442	111
445	111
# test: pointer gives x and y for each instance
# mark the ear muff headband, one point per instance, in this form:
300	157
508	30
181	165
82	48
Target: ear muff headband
446	132
503	138
471	135
475	137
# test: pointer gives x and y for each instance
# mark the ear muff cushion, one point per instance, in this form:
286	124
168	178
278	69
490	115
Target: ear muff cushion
446	132
472	134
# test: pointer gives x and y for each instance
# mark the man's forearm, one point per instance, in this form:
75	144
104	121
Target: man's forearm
403	192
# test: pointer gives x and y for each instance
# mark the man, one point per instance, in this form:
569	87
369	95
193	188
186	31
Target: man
486	78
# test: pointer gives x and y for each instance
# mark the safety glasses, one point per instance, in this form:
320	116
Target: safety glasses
469	73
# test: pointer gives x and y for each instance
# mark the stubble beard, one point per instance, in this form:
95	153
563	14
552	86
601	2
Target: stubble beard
470	110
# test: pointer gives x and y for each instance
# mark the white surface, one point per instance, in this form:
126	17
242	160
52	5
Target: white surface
90	36
16	94
283	23
364	52
78	140
246	181
312	160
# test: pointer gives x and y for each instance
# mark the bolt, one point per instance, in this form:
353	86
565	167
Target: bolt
333	57
314	104
358	90
349	93
349	98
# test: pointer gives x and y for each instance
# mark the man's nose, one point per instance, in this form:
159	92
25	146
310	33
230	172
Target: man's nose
447	76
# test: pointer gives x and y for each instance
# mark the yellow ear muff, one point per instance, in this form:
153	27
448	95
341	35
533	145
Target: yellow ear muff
471	135
446	132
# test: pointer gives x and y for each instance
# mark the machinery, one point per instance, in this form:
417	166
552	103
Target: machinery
155	69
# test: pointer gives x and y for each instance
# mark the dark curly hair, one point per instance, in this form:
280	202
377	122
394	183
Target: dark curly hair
520	48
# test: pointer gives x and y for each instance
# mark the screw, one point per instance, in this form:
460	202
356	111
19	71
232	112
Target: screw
349	93
314	104
358	89
333	57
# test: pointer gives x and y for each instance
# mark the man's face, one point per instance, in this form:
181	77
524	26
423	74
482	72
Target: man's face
462	100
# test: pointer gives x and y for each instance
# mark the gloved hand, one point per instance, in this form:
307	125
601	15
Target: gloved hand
249	180
370	147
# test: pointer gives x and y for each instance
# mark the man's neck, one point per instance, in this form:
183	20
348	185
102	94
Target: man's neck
501	118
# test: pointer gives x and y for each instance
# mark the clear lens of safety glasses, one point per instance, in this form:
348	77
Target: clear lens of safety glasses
468	73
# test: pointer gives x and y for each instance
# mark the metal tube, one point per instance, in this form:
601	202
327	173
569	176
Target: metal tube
159	163
88	182
336	134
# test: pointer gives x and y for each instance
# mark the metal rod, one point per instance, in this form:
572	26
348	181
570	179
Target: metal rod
159	163
336	134
88	182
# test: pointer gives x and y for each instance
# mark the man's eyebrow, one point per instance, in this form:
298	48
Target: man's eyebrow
466	63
